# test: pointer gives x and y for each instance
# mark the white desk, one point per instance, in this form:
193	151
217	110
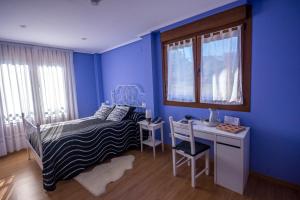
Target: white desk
231	156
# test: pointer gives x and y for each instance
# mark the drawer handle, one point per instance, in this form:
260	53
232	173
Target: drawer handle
229	145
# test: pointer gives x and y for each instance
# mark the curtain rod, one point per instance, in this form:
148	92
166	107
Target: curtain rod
33	45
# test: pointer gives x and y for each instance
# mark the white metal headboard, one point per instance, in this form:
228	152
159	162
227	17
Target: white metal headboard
131	95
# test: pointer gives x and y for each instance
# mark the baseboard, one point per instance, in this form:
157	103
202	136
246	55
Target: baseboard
275	181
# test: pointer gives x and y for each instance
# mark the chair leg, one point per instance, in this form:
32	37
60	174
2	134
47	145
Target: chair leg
174	161
207	162
193	172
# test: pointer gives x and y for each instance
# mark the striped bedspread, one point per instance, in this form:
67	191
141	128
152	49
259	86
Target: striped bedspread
70	147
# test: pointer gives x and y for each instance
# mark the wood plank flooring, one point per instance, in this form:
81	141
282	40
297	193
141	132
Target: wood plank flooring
148	180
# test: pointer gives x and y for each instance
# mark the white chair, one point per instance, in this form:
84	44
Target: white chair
188	148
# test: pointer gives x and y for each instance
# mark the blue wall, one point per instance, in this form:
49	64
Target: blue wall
87	68
130	64
98	78
275	93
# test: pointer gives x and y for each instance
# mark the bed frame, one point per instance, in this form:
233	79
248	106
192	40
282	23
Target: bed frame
130	95
30	128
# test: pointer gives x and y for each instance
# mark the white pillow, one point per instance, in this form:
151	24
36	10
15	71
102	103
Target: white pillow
103	111
118	113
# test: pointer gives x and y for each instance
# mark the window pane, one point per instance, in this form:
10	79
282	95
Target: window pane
221	74
52	86
181	83
15	90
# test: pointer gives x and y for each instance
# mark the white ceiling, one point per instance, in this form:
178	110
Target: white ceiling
62	23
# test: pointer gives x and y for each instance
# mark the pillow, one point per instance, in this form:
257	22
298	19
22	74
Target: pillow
118	113
103	111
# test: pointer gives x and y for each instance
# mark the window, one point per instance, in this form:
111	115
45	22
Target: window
221	73
206	64
16	90
52	85
36	81
181	83
15	87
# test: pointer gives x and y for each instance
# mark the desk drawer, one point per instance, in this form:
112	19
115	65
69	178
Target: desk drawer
206	136
229	141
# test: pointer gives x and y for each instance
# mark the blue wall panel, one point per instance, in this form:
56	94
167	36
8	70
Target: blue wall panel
98	78
86	85
130	64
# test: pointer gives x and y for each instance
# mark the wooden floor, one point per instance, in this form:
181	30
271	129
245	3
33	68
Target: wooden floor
149	180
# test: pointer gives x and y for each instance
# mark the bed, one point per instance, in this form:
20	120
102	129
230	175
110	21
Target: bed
65	149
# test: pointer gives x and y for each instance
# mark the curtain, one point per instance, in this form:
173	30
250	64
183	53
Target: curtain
181	83
16	98
38	82
15	95
57	92
221	69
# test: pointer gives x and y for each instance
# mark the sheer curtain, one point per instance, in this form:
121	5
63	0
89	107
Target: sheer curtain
181	83
221	69
55	75
15	95
38	82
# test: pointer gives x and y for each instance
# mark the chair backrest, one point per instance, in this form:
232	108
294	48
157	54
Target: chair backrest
182	131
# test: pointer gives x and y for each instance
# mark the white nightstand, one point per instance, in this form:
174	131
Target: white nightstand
151	141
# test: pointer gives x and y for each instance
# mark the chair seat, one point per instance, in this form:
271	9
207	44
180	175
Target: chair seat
186	147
